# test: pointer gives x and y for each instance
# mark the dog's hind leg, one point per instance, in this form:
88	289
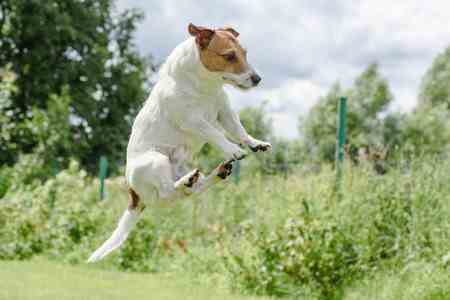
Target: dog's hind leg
123	229
154	171
149	171
218	174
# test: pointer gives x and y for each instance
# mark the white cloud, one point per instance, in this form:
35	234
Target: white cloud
302	47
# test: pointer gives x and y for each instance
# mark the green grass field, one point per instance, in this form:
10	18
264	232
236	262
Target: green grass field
42	280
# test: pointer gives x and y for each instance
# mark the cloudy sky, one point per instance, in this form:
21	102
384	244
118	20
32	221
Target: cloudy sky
302	47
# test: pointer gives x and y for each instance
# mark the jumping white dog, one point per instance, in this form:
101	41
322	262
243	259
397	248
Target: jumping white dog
187	108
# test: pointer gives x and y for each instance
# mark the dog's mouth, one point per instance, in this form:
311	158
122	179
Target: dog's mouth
243	87
237	84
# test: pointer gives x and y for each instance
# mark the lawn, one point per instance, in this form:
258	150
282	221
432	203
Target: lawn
43	280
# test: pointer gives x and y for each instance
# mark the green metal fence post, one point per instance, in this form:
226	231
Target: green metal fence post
237	171
102	175
55	167
340	142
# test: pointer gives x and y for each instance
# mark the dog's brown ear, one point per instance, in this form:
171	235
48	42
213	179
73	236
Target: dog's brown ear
202	35
232	31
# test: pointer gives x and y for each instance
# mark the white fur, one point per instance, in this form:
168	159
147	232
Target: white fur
126	223
242	81
187	108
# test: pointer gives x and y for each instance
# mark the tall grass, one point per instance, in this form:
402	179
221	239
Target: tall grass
268	235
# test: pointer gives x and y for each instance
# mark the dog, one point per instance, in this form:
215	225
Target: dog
187	108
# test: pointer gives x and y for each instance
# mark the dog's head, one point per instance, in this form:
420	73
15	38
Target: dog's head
221	52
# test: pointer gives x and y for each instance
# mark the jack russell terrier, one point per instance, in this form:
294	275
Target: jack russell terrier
187	108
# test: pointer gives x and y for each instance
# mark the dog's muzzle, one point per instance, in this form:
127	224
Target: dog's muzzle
243	81
255	78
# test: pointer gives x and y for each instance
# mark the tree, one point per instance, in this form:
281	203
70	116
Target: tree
319	127
426	130
81	48
7	88
435	88
256	122
368	99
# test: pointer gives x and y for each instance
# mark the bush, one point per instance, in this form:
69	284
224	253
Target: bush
303	252
382	222
48	217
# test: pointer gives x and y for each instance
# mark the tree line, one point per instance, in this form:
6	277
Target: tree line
71	82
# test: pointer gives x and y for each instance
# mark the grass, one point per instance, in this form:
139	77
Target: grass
40	279
43	280
395	227
420	281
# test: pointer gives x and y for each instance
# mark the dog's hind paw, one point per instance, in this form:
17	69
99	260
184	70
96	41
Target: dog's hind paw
193	178
225	169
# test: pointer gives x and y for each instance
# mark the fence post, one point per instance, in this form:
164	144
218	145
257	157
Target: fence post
55	167
103	172
237	171
340	142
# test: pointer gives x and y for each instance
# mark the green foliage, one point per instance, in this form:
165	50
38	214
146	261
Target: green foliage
138	253
8	128
284	157
420	281
284	154
319	127
256	122
435	89
83	45
368	98
51	128
48	217
381	222
302	252
267	235
427	130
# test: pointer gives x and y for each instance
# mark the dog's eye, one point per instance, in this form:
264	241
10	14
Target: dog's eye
230	56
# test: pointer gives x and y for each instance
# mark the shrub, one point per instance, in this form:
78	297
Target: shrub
382	222
303	252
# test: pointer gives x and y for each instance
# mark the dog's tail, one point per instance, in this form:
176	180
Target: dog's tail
120	234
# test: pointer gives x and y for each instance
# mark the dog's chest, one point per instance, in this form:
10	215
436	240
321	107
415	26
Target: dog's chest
209	108
211	113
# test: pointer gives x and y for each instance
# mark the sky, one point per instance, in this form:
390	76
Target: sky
301	48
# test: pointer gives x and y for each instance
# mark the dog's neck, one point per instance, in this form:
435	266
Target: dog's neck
190	75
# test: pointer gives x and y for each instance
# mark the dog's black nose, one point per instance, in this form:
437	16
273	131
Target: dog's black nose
255	78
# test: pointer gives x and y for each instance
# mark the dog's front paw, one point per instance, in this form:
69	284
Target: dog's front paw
257	145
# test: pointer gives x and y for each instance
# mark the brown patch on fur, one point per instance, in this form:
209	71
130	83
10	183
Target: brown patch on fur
202	35
231	30
134	201
220	50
